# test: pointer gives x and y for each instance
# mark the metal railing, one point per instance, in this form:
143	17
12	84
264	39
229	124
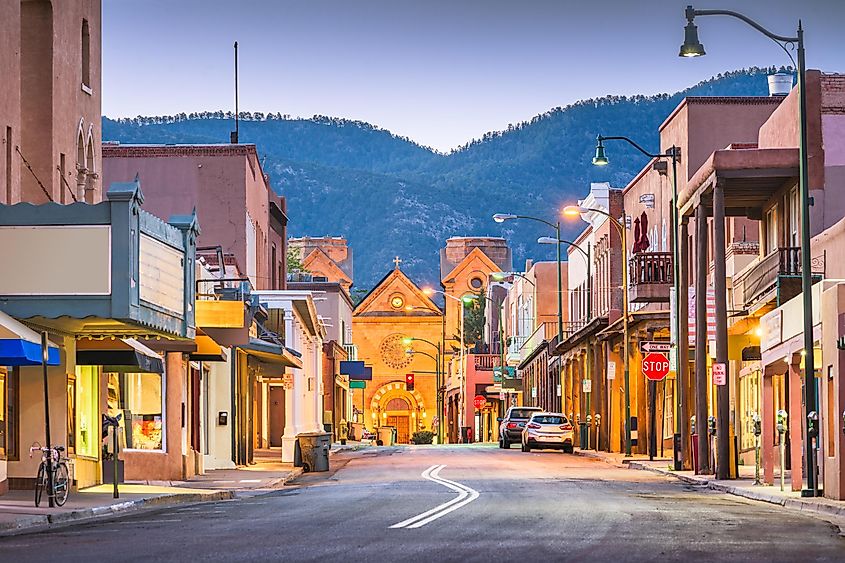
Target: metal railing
650	268
486	362
762	276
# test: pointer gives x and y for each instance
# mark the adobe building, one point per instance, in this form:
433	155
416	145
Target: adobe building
396	309
236	205
51	52
325	257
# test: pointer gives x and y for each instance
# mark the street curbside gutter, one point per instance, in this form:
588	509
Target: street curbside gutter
47	521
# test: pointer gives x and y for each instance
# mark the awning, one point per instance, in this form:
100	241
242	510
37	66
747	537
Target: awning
207	350
21	346
270	353
118	356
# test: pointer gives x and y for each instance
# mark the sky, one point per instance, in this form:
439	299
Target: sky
440	72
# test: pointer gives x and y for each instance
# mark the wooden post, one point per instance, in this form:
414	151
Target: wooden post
701	267
724	435
683	374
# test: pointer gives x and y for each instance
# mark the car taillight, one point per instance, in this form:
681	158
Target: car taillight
534	426
566	427
513	425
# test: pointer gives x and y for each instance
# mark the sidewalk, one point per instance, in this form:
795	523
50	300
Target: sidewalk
18	511
743	487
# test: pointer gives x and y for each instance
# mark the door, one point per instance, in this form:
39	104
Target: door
277	415
401	425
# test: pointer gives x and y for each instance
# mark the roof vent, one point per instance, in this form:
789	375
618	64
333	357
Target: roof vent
780	84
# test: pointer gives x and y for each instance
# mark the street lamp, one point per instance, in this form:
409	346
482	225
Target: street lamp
586	255
573	211
500	276
501	218
462	300
674	153
408	341
692	47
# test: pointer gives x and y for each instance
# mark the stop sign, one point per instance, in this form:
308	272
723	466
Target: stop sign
479	402
655	366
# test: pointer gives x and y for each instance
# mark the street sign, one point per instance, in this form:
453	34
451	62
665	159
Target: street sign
587	385
720	376
479	401
655	366
648	346
611	370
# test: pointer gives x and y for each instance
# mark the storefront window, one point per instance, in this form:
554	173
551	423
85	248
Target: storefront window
12	419
138	396
71	414
749	404
87	411
2	414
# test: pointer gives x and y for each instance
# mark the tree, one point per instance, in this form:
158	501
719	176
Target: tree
474	321
294	260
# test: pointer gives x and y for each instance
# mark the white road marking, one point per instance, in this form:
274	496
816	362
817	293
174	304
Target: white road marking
465	496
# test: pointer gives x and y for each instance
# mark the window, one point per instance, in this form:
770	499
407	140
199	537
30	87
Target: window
71	414
794	207
12	419
87	441
272	269
771	228
3	414
86	54
9	166
138	396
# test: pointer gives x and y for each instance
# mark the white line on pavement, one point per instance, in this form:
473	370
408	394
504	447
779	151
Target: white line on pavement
465	496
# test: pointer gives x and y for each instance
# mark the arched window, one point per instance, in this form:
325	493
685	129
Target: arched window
86	54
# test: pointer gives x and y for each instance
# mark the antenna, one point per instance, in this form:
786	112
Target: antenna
233	136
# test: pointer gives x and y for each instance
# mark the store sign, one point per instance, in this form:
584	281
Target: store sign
647	200
611	370
771	326
287	381
587	385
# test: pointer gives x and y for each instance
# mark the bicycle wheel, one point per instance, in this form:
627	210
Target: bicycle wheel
39	484
61	483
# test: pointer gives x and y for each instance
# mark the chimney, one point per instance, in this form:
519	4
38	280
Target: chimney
780	84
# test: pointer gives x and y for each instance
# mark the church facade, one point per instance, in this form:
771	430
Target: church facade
396	309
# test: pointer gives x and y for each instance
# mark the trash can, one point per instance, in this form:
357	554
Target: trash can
387	435
582	434
314	450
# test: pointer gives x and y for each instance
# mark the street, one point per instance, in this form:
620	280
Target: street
543	505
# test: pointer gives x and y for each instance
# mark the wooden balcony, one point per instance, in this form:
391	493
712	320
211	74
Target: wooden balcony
776	276
650	277
486	362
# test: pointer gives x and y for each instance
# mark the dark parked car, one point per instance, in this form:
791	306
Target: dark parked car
510	429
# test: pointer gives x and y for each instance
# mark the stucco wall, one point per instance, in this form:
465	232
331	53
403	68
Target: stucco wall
10	108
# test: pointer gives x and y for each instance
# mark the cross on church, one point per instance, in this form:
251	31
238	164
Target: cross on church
397	261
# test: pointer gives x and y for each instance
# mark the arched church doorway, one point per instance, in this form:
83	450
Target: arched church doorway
393	405
399	416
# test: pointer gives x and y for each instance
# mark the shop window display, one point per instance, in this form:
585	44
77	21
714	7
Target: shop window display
87	411
138	397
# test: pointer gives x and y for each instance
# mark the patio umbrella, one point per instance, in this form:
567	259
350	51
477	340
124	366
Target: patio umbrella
643	240
637	235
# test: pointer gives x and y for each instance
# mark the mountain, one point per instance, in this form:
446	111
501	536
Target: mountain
390	196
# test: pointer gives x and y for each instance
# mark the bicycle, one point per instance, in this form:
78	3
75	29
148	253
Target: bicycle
60	476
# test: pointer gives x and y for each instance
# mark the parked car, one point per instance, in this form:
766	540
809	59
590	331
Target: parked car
548	430
510	429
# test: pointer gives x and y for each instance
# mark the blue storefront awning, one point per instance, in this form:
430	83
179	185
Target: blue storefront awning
21	346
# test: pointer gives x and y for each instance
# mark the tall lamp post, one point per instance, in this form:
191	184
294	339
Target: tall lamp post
692	47
408	341
462	301
501	218
674	153
586	255
573	211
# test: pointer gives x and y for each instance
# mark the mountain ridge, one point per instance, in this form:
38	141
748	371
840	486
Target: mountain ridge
392	196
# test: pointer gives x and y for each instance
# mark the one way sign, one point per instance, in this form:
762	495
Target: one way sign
648	346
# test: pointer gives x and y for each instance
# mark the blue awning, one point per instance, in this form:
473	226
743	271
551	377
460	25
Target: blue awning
21	346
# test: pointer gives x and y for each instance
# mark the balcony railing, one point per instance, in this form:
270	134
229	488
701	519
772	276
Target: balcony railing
650	275
351	352
779	271
486	362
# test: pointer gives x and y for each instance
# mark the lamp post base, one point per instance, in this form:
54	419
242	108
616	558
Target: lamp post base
810	493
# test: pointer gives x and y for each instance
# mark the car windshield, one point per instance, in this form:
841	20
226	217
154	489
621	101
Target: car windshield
522	413
549	419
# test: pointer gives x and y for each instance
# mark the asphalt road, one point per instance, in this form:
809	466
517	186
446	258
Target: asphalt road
513	506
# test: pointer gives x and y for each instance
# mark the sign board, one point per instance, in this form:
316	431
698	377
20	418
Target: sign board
479	401
357	384
771	328
509	372
501	395
287	381
587	385
647	200
720	376
650	346
533	392
655	366
558	390
355	370
611	370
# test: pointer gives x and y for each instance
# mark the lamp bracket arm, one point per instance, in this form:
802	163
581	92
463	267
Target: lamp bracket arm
749	21
552	225
633	144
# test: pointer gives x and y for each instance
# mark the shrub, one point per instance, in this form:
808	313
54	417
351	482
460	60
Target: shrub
422	437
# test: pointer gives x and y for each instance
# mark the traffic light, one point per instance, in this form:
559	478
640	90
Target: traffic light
409	381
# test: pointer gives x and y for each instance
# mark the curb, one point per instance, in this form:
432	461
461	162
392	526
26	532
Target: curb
282	481
751	494
42	522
